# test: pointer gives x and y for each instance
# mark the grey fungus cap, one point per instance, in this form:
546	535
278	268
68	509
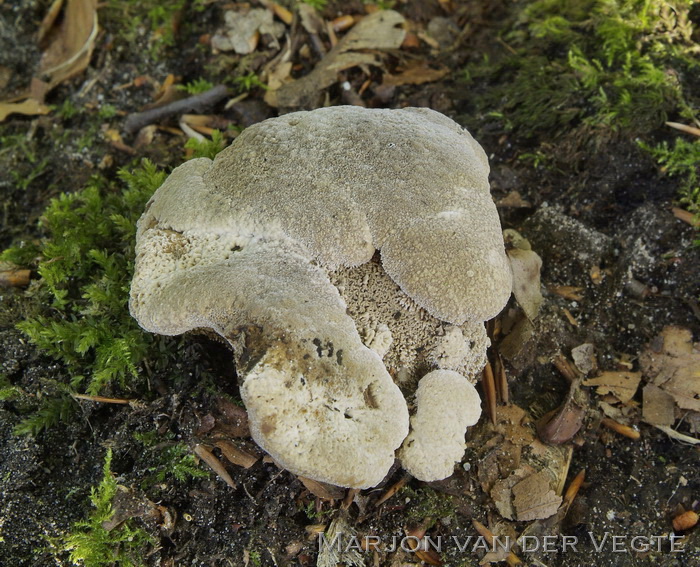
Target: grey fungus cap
245	245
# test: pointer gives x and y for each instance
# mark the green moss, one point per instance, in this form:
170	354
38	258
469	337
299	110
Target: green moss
610	64
197	86
681	160
174	461
92	545
206	148
427	506
81	315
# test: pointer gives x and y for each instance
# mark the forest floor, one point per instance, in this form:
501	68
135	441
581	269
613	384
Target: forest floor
570	100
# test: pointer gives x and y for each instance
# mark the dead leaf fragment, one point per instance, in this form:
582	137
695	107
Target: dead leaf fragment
657	406
672	362
243	30
514	200
526	266
534	499
236	455
70	41
29	107
622	385
380	31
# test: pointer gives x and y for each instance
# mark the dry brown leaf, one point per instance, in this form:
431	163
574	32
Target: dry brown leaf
70	42
534	499
657	406
236	455
672	362
243	30
29	107
526	266
622	385
416	74
514	200
380	31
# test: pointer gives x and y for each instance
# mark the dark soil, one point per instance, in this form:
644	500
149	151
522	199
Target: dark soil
609	207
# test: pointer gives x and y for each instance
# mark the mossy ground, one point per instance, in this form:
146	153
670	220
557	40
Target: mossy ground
568	98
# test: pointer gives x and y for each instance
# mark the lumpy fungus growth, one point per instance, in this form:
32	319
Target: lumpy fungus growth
345	254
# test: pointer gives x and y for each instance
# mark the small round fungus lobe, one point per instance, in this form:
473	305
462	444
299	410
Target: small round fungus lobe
446	404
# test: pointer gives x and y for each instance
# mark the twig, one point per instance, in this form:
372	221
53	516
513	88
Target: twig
190	104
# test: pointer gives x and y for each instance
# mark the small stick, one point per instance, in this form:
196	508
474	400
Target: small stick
15	278
489	391
625	430
193	104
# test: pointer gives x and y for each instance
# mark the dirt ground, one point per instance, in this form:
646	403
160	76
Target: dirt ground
618	268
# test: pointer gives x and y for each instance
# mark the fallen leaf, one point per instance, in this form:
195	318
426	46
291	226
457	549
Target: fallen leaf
622	385
526	266
584	358
657	406
29	107
70	41
534	499
672	362
380	31
236	455
514	200
243	30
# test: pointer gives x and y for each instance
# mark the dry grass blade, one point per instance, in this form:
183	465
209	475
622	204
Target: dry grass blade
70	43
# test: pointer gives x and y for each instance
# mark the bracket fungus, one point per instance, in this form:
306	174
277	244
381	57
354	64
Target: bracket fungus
343	253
